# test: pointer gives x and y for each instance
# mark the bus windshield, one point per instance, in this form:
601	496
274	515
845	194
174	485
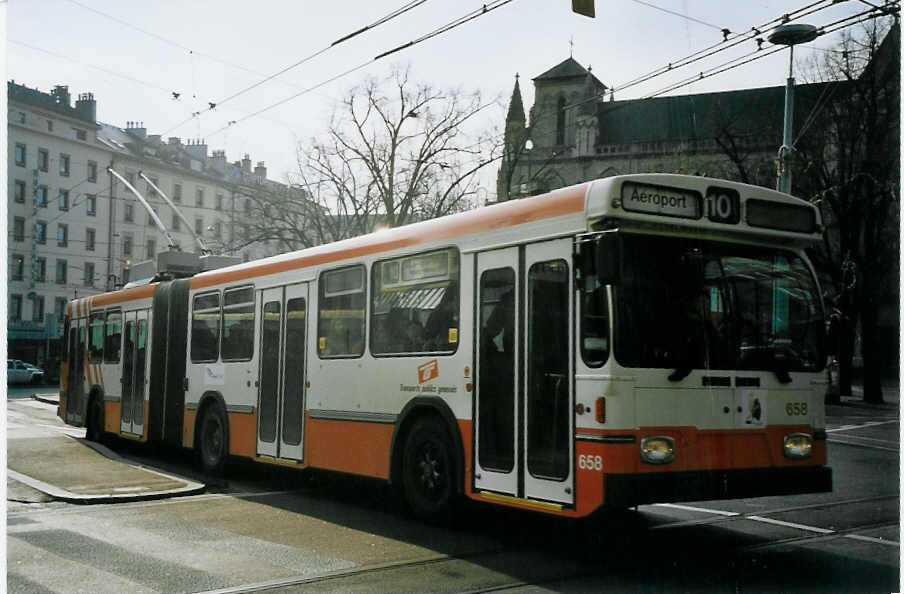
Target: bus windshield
687	304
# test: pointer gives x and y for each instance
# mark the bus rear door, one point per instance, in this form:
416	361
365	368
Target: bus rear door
134	372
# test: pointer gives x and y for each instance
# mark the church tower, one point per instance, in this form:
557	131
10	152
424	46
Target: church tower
516	134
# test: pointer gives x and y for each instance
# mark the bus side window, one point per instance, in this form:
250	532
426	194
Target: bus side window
205	328
340	315
96	338
113	336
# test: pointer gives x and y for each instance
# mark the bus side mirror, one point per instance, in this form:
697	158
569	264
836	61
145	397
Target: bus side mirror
607	259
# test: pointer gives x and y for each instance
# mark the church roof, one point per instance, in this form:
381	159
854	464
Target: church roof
516	107
569	68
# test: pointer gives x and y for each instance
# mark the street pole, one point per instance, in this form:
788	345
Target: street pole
789	35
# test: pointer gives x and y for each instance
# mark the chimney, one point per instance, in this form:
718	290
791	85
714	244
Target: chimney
136	129
260	171
174	141
246	164
61	93
86	107
218	161
197	149
155	138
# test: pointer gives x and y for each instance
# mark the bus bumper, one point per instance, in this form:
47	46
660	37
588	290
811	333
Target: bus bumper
626	490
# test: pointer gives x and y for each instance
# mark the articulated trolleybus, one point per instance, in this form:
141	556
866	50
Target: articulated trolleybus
634	339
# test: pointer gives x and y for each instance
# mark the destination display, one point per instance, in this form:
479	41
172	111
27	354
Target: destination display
670	202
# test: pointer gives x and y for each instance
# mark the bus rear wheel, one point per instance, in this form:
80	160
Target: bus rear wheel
212	439
428	471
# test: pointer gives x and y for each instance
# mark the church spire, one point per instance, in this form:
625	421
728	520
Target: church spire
516	107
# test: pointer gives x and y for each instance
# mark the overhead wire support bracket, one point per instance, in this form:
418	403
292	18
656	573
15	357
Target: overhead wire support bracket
173	244
204	250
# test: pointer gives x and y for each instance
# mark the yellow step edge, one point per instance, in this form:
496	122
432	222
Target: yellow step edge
518	501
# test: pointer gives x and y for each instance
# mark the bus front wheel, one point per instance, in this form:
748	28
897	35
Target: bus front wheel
428	470
212	440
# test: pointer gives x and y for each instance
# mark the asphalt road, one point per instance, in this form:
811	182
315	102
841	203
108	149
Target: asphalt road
270	529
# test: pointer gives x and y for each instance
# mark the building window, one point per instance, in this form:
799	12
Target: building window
59	307
129	212
218	229
61	272
43	159
127	245
151	249
177	223
91	204
19	229
560	121
199	198
90	235
41	197
247	206
89	274
19	191
219	202
130	177
151	191
20	155
17	266
63	199
199	226
15	308
79	134
64	165
92	171
41	232
177	192
50	125
62	235
20	117
37	312
40	270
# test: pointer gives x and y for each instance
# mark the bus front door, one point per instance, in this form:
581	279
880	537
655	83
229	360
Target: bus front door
523	445
281	384
134	372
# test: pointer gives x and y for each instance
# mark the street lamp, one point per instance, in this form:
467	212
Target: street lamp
789	35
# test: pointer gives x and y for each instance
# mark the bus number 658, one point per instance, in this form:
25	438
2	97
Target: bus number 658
588	462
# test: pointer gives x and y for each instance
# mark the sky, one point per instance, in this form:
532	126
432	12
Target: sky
132	55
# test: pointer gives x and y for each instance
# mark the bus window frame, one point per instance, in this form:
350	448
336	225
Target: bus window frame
322	295
219	310
223	310
454	277
107	314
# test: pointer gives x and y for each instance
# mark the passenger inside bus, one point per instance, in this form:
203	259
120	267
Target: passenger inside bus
442	319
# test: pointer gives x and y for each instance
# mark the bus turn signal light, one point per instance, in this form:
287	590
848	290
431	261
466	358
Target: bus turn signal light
600	410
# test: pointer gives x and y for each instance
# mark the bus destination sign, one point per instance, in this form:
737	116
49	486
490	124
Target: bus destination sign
670	202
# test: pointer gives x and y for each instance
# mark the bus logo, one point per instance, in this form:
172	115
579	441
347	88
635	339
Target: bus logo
427	371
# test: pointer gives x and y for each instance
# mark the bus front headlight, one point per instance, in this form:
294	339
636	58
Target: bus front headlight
798	446
657	449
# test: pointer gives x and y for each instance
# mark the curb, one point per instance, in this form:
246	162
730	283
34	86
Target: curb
191	487
46	398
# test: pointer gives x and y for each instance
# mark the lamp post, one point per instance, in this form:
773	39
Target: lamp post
789	35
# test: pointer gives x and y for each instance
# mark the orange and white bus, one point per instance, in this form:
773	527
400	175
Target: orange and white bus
634	339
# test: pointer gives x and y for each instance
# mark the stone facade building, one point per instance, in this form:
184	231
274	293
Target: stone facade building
75	230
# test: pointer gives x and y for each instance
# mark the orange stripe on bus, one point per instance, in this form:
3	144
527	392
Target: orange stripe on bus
125	295
349	446
516	212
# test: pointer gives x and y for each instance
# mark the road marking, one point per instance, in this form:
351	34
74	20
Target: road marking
860	426
874	540
790	525
718	512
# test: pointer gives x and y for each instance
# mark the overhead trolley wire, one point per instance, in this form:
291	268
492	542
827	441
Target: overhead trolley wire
486	8
384	19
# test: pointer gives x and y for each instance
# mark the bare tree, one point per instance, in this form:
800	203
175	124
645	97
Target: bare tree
849	166
395	151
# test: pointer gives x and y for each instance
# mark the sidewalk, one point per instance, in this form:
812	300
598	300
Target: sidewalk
80	471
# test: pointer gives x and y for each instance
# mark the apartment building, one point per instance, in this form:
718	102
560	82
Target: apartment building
75	229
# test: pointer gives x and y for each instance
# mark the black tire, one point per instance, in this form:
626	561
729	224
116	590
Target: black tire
95	421
429	471
213	440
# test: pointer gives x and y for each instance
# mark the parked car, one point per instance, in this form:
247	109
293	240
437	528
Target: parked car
20	372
